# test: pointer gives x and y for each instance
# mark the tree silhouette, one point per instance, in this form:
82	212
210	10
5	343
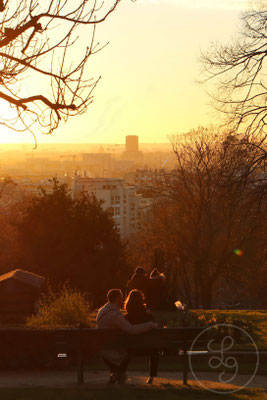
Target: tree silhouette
212	203
239	69
44	49
73	240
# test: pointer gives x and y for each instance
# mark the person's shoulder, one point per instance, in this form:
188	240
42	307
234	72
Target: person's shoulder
101	310
117	314
107	310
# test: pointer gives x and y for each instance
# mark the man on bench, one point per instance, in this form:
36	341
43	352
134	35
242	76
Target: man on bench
111	317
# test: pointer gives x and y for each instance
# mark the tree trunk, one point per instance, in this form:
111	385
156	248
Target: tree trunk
196	290
206	296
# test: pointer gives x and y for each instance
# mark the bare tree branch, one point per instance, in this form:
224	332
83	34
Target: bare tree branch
53	41
239	69
212	203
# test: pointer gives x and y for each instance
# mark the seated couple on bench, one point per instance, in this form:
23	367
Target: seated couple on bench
137	320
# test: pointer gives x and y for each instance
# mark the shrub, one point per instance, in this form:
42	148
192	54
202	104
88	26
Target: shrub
224	326
221	323
63	310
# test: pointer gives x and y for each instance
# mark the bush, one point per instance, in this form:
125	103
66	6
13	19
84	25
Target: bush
221	323
63	310
224	326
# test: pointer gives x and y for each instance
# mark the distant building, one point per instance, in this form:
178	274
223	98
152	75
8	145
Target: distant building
101	150
19	294
129	209
132	144
33	187
145	178
132	149
97	163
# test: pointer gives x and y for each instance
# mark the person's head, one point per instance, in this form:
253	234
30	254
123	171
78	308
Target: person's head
115	296
134	300
154	273
140	271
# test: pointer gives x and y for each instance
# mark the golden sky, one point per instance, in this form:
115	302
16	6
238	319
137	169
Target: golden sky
148	72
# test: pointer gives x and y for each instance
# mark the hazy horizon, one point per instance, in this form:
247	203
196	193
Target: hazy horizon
77	148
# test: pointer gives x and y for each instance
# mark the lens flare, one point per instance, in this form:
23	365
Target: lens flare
238	252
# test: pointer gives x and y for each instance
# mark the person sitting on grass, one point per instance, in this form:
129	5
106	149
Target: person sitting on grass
137	313
111	317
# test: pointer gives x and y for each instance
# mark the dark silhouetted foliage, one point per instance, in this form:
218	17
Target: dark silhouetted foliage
74	240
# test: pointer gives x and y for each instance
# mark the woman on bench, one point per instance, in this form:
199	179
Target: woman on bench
137	313
111	317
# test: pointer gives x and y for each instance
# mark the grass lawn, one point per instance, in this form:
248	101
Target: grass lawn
167	392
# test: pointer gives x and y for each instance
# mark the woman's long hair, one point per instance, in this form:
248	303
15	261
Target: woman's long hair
135	300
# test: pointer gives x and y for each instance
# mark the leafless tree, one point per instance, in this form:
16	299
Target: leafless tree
211	204
239	70
45	47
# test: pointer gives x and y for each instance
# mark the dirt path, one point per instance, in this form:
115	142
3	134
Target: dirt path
99	378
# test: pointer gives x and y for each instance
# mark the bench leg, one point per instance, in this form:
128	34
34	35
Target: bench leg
80	377
185	363
80	374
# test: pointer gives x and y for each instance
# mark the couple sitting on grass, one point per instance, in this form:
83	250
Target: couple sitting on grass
137	320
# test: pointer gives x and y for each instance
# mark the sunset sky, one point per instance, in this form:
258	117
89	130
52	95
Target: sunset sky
149	71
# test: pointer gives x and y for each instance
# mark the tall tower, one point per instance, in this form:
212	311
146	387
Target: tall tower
132	143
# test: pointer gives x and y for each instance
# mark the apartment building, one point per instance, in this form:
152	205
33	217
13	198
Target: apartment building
128	208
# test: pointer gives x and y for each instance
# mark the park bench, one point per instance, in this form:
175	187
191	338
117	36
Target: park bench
85	343
172	341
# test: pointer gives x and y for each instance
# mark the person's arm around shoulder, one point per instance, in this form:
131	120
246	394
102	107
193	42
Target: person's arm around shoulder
124	325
